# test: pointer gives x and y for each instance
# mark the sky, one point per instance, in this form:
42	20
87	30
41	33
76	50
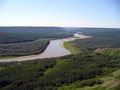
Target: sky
63	13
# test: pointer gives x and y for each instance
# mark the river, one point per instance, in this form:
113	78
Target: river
54	49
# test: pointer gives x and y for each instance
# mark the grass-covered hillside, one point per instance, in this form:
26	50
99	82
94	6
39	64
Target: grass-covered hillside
109	51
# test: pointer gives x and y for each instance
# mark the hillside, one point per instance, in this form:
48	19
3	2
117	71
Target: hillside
25	34
53	73
93	65
109	51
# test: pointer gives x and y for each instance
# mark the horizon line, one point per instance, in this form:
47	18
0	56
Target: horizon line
63	26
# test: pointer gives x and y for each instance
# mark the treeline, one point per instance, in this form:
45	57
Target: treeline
23	48
91	30
105	39
49	74
21	41
24	34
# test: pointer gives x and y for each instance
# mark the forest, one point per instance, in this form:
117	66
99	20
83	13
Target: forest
95	66
100	39
23	48
51	74
25	34
22	41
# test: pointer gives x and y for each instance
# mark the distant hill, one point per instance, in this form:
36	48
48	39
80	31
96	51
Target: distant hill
23	34
90	30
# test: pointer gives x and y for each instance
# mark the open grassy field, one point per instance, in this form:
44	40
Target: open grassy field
70	46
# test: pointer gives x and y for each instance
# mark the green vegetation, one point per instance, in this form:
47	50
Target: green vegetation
22	41
25	34
106	38
94	43
46	39
71	47
55	73
94	65
106	43
111	82
109	51
6	57
22	49
78	84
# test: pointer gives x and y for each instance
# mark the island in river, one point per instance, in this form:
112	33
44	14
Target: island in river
54	49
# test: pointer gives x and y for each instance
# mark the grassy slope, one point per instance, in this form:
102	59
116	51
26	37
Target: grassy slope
108	82
109	51
70	46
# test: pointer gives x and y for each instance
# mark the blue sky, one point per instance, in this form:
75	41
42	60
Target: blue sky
70	13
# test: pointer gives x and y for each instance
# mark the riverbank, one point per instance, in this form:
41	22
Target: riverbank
54	49
70	46
13	50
